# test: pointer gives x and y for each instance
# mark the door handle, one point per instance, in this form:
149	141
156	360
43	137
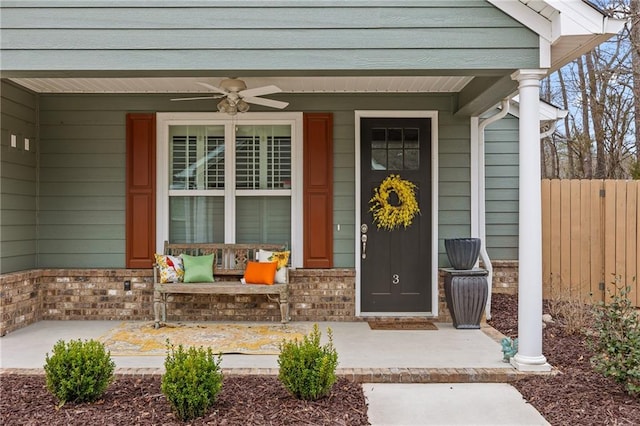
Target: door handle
363	230
363	238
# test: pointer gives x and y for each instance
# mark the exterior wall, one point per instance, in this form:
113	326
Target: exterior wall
315	295
76	294
82	155
501	180
18	171
294	35
20	300
82	195
78	182
505	276
82	181
322	295
454	188
98	294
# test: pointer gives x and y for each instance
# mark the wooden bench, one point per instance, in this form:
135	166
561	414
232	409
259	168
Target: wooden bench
229	266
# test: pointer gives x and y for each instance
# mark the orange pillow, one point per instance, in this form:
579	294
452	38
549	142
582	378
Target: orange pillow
260	272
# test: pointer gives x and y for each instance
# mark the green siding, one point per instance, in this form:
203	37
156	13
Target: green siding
317	14
358	36
82	170
263	39
18	228
82	181
501	159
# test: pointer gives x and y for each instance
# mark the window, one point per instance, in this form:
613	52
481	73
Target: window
263	163
263	157
197	157
395	148
229	180
196	183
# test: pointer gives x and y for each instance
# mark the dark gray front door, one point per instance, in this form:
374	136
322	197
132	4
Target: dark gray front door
396	266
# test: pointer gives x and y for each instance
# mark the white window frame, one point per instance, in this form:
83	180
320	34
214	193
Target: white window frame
293	119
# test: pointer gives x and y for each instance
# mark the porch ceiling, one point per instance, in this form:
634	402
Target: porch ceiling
329	84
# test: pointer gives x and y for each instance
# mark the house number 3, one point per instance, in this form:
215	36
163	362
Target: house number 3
395	278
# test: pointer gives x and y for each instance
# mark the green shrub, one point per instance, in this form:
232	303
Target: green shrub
616	341
78	371
192	380
308	370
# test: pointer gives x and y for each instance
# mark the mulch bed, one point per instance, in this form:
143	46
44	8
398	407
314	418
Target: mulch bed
130	400
576	396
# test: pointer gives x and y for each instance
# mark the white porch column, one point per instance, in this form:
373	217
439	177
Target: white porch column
529	356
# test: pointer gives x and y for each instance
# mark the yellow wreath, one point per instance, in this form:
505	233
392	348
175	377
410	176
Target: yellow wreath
388	216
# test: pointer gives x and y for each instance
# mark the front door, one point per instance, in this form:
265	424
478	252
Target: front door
395	266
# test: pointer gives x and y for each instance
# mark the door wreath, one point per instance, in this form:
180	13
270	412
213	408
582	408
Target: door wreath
388	216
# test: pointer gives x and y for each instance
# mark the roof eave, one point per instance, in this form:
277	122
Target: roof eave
548	112
574	47
574	28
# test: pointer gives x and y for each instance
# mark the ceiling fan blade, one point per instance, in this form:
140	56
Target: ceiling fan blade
259	91
198	97
266	102
213	88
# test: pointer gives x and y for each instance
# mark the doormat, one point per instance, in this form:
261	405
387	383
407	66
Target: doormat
142	338
394	324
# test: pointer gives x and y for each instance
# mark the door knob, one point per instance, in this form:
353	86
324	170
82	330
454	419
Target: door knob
363	238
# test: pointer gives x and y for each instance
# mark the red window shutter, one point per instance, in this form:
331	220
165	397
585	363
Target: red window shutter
141	190
318	190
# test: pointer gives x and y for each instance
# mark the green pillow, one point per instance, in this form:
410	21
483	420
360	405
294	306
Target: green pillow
198	269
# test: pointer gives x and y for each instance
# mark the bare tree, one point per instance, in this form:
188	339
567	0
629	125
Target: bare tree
600	91
634	15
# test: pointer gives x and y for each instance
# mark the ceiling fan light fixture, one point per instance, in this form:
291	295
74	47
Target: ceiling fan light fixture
223	104
227	107
242	106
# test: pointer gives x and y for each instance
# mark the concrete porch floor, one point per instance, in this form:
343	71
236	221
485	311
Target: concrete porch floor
402	371
359	348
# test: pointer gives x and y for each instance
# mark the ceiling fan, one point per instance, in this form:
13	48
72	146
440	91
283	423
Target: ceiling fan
236	97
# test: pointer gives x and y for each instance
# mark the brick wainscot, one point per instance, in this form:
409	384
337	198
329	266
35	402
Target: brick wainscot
99	294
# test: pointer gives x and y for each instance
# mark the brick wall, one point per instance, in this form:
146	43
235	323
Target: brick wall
314	295
98	294
323	295
505	276
20	300
443	311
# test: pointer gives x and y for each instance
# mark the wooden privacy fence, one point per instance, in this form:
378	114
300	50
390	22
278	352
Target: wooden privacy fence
590	241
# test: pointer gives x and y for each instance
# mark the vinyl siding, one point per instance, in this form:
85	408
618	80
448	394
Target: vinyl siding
284	36
18	176
501	180
83	155
82	182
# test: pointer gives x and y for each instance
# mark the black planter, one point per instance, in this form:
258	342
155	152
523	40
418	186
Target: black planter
466	293
462	252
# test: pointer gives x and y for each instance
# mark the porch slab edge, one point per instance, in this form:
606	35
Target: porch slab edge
358	375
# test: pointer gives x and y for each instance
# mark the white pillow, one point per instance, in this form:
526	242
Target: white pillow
282	257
